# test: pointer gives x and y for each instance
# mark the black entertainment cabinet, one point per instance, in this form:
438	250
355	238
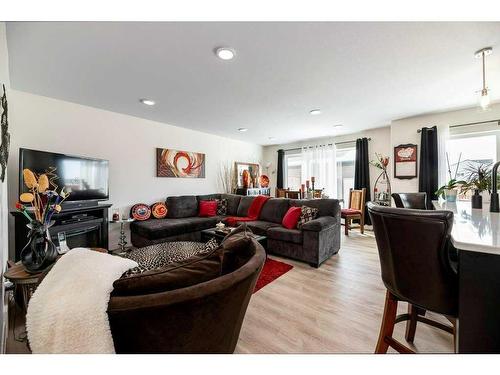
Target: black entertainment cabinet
84	227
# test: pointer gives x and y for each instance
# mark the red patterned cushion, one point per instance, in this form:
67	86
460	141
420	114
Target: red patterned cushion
208	208
349	211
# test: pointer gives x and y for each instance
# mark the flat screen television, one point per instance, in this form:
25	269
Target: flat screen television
86	178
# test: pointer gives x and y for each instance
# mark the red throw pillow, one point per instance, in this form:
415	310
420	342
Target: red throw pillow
208	208
291	217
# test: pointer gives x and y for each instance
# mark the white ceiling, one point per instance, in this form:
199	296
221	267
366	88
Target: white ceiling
361	75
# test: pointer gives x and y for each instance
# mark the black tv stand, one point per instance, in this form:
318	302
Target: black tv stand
84	226
80	205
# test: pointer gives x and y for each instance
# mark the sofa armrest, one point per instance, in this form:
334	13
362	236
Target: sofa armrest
317	225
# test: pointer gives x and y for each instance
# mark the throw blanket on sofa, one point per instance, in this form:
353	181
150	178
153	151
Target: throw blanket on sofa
253	211
68	311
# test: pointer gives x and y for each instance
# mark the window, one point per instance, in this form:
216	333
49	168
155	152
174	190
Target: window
472	150
293	170
345	172
474	146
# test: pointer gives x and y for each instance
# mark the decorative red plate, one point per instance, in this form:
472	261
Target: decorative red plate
264	181
159	210
140	211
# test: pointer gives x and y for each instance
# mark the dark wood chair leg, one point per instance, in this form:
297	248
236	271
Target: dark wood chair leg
362	224
388	321
411	324
346	226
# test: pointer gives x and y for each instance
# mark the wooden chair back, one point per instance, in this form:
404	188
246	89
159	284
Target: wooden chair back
357	200
281	193
293	194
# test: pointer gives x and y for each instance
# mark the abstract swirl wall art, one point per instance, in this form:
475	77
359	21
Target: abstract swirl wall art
182	164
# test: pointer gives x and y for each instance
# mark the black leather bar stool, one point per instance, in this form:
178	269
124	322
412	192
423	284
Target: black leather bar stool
410	200
414	250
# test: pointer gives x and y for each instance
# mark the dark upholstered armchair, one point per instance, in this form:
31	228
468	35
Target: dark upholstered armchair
203	318
410	200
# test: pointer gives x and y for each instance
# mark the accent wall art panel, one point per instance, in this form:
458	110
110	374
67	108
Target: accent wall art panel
182	164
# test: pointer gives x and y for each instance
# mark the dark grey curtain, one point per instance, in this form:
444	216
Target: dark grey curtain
428	171
362	170
281	166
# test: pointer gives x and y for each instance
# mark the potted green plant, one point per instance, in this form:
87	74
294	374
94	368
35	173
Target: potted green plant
478	180
450	190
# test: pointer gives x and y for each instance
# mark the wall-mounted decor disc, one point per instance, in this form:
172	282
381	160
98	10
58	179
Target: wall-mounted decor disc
140	211
264	181
159	210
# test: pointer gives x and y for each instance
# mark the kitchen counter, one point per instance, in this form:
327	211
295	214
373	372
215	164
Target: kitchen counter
473	229
476	235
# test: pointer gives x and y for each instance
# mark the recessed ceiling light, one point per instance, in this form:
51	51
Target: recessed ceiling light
147	101
315	112
338	126
242	129
225	53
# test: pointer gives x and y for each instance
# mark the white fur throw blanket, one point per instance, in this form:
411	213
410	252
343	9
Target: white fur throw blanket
68	311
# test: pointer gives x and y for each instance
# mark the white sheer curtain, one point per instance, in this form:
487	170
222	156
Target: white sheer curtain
319	162
443	137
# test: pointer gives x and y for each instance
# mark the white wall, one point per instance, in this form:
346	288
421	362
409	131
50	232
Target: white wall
405	131
4	245
380	143
129	143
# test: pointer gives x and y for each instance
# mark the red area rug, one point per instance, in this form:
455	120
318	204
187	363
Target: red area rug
271	271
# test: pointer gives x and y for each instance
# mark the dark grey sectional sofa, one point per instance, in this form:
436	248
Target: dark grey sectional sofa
317	241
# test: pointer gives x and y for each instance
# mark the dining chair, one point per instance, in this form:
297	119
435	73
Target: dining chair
293	194
281	193
317	193
414	249
355	210
410	200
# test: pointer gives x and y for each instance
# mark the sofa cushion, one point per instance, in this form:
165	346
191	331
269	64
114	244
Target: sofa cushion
291	217
274	210
196	269
258	226
183	206
221	206
233	201
284	234
244	205
326	207
307	214
162	228
208	208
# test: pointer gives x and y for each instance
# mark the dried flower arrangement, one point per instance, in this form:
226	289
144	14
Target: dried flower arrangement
381	162
42	196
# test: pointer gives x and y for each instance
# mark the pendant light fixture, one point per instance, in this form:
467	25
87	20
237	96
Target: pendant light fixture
484	100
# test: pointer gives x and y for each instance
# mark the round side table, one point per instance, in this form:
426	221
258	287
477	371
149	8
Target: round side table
123	237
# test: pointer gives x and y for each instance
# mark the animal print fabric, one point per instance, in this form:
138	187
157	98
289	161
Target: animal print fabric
159	255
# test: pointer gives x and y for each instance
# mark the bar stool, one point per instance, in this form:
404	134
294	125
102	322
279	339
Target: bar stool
410	200
414	250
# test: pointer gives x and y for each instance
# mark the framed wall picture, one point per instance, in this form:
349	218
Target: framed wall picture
405	161
247	174
181	164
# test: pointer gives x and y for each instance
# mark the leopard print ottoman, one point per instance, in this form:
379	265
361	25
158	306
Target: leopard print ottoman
159	255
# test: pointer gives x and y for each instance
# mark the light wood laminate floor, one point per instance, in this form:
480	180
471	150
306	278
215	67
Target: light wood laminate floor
336	308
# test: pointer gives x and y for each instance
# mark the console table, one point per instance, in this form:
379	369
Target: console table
476	235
